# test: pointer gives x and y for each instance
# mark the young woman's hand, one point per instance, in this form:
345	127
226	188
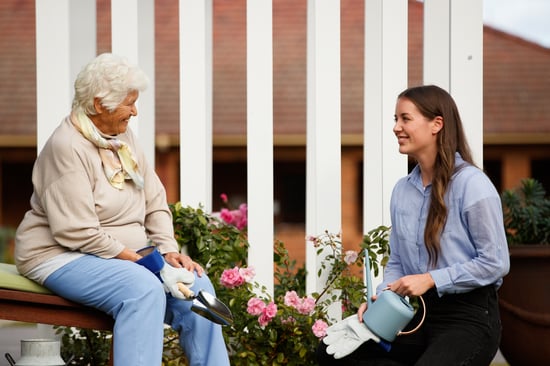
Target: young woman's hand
412	285
363	308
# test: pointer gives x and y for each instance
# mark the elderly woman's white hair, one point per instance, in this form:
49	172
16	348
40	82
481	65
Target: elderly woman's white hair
110	78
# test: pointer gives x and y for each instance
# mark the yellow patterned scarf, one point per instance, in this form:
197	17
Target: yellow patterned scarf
118	161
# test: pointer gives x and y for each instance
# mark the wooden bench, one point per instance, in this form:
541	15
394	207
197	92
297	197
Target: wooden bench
26	301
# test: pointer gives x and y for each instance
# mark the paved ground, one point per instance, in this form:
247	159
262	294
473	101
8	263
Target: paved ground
11	334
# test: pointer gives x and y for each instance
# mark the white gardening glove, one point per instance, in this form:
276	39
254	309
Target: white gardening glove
346	336
171	276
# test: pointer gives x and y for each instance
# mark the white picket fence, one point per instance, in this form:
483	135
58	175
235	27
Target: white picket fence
453	59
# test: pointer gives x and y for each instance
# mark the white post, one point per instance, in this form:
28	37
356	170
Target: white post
373	126
453	60
65	41
467	70
385	77
260	139
323	179
437	47
196	103
133	37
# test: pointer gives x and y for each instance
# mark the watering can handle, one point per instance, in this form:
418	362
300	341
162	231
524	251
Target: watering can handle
10	359
421	320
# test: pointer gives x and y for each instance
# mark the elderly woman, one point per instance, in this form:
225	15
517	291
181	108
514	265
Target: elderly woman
95	203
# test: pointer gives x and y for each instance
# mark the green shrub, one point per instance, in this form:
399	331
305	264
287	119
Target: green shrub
288	337
6	236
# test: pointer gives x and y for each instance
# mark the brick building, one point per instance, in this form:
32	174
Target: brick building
516	109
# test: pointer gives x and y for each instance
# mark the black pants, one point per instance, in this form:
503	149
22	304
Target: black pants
462	330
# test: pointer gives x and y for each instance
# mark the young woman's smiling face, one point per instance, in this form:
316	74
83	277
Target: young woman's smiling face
416	134
116	122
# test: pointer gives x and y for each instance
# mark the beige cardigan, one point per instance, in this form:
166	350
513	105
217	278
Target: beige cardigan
74	208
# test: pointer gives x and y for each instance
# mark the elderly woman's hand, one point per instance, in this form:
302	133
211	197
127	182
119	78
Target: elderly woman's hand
181	260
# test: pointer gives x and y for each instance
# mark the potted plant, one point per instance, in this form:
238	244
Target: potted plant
524	297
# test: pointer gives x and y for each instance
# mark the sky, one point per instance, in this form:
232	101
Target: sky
528	19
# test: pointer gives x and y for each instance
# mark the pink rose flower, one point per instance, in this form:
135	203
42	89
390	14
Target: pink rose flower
264	320
268	313
241	216
226	215
223	196
248	273
292	299
237	218
255	306
350	256
319	328
271	310
306	305
231	278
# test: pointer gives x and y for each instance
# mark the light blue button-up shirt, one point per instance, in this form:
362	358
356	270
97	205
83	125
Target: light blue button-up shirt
474	251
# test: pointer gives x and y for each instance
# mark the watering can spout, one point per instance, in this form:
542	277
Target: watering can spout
368	277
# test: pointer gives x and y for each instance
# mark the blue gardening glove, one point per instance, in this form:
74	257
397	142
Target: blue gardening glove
346	336
168	275
171	276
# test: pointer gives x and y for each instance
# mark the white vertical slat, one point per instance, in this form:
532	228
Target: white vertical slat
133	37
82	37
394	74
437	47
453	59
323	180
373	117
65	41
385	77
195	20
260	139
466	74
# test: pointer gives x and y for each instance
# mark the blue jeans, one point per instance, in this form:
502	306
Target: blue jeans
459	330
135	298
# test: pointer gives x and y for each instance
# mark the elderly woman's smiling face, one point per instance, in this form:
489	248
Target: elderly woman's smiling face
115	122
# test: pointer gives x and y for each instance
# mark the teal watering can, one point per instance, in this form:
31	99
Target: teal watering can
390	313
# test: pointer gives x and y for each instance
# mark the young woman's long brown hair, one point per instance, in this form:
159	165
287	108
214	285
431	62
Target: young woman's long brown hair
433	101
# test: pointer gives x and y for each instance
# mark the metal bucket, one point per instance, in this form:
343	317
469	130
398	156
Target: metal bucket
39	352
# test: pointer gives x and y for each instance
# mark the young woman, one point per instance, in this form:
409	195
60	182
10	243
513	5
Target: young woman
447	243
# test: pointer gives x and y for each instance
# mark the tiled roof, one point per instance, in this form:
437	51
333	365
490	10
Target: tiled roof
516	84
516	72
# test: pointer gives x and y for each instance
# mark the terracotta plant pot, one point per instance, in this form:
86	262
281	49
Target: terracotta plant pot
524	300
